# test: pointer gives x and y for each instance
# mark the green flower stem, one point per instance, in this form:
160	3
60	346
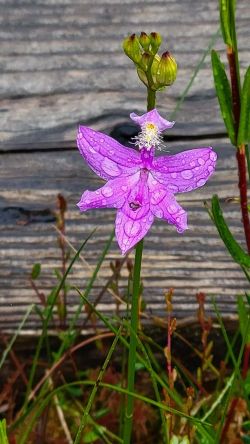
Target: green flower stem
151	99
128	420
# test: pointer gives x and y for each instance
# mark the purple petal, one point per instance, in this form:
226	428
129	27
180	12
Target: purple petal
107	157
185	171
152	117
112	195
164	206
130	230
135	218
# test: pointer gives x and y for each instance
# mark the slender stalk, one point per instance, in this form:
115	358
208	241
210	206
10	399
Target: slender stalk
84	419
241	150
151	99
132	345
128	420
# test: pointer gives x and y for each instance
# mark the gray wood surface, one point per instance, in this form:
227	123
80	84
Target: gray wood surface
61	63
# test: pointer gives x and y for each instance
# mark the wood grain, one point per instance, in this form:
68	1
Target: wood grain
61	63
195	261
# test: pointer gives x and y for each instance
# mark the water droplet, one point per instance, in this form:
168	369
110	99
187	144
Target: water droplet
201	182
111	152
172	209
92	150
172	187
210	168
159	213
201	161
110	167
97	192
187	174
132	228
118	218
101	140
107	191
213	156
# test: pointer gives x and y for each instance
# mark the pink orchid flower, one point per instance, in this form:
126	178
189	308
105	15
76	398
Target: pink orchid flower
140	185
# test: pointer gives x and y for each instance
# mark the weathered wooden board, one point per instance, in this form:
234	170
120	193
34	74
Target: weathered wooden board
192	262
62	62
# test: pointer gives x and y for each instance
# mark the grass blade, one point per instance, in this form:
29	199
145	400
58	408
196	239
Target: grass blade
244	126
84	418
237	253
9	346
224	95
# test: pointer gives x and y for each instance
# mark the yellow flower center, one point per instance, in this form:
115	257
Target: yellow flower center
149	136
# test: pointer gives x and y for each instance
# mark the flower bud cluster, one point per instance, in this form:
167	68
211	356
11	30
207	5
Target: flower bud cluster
155	71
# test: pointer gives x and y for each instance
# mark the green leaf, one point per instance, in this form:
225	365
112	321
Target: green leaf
225	21
224	94
244	126
3	434
244	314
246	426
36	270
237	253
90	437
247	384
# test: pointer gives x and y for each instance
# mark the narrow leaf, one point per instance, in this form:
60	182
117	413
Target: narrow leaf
224	95
225	21
244	314
36	270
237	253
244	127
3	433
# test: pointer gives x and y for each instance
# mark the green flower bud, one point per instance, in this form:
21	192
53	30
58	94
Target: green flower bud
145	61
142	76
154	67
132	49
144	41
167	70
155	41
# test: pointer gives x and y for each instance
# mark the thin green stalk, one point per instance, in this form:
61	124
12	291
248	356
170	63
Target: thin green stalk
84	419
9	346
151	99
132	344
174	395
42	403
128	420
47	319
66	341
124	364
196	70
